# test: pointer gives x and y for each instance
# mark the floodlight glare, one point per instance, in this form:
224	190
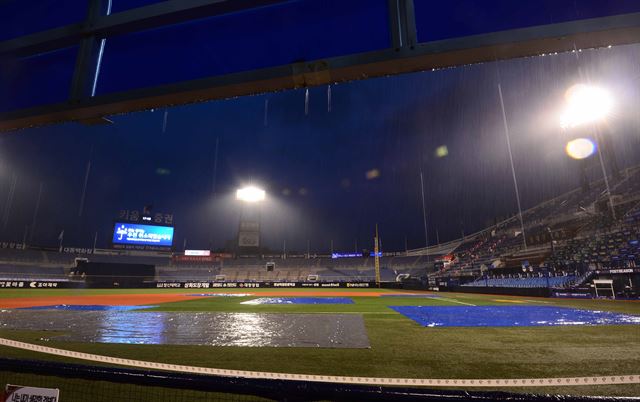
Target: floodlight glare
585	104
580	148
250	194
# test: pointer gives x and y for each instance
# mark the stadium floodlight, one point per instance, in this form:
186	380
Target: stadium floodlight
585	104
250	194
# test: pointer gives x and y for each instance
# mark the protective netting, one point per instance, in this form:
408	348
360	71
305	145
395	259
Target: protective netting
115	385
79	382
75	390
80	391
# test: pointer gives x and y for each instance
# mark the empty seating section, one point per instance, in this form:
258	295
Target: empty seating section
581	228
42	257
531	282
17	264
629	184
614	250
196	273
31	272
23	256
483	250
294	269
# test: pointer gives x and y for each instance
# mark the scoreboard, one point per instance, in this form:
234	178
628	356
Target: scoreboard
143	230
157	218
133	234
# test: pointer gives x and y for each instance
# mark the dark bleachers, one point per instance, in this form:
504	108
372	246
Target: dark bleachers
526	282
31	272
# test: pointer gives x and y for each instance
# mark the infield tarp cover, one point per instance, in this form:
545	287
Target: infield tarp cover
300	300
194	328
510	316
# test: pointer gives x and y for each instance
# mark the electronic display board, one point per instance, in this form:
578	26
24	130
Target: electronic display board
143	235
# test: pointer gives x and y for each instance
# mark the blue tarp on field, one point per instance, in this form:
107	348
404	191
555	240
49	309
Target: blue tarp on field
510	316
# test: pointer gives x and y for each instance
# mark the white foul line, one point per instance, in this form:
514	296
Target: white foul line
529	382
455	301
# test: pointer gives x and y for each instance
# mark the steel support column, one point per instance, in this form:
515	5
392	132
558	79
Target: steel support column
87	60
402	24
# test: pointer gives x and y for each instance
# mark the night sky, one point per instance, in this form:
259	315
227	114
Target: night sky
314	167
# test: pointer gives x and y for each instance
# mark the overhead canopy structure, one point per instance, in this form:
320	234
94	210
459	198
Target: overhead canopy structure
83	60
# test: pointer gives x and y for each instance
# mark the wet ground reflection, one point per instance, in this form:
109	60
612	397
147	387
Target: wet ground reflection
193	328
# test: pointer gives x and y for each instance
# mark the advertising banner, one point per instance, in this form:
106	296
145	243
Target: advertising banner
18	393
212	285
198	253
572	295
30	284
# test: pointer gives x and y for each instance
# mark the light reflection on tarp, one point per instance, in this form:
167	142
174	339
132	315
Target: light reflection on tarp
195	328
299	300
118	328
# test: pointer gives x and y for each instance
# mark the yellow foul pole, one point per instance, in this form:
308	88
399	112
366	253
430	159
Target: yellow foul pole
376	257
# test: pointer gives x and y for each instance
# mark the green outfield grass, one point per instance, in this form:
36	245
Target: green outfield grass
399	346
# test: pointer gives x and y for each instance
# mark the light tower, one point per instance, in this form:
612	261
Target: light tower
587	108
249	226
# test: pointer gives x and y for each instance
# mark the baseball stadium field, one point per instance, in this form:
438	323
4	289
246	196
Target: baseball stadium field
348	332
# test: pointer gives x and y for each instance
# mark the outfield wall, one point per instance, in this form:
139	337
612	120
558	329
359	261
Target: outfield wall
268	284
531	292
582	293
52	284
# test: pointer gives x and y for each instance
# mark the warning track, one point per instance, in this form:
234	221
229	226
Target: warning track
139	299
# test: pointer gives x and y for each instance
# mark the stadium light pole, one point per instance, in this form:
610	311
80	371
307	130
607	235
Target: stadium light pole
424	215
249	195
588	105
513	169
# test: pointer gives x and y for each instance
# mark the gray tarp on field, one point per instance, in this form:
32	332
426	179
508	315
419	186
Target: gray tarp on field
195	328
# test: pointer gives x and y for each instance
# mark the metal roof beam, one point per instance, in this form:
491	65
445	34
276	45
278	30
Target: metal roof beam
583	34
172	12
134	20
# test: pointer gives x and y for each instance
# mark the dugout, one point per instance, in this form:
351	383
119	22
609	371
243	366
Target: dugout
625	282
